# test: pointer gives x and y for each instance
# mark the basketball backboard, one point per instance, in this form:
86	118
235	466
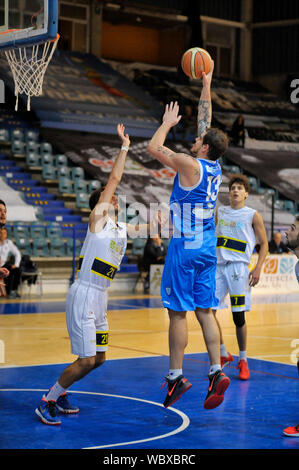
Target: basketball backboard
27	22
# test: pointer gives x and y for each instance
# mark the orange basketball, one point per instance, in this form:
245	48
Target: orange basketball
195	61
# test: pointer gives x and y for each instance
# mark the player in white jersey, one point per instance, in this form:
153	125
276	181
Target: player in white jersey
237	228
86	303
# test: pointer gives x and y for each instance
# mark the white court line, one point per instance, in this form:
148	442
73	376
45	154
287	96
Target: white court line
182	427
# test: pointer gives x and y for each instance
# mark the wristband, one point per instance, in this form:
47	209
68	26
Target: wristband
124	147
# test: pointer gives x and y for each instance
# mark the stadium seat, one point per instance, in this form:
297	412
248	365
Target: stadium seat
33	159
37	231
289	206
65	185
24	246
20	231
49	172
80	185
4	136
57	247
32	146
31	136
45	148
53	230
93	185
61	160
254	184
82	200
40	247
17	134
47	159
70	247
18	147
63	172
77	173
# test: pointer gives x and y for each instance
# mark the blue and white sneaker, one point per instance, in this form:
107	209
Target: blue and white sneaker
47	412
64	406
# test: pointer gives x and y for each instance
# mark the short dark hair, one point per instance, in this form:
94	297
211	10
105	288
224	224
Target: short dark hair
217	141
94	198
2	202
239	178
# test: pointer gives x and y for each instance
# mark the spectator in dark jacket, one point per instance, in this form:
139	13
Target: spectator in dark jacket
276	246
154	253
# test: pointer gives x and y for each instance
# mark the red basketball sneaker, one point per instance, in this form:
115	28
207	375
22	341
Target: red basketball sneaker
243	370
292	431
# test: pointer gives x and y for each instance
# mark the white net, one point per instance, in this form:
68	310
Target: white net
28	66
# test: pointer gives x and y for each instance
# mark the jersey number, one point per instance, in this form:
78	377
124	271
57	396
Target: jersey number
213	187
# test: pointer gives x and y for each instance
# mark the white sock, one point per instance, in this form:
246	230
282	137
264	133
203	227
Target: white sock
223	351
174	373
55	392
242	355
214	368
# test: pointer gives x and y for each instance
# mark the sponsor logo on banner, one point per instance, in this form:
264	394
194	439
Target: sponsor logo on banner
271	266
286	266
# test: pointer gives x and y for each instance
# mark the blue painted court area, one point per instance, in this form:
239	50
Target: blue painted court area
49	306
120	408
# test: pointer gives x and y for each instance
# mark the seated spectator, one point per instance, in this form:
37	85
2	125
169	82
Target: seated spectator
10	258
276	246
154	253
238	131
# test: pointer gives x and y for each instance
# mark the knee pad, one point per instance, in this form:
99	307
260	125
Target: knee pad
239	319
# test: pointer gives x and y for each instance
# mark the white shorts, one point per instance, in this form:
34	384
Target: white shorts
233	279
86	318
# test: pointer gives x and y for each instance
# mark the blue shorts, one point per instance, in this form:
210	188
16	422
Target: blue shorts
188	279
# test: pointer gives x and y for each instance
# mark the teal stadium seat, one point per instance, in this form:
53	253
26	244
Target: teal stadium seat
93	185
18	147
82	200
47	159
53	230
20	231
37	231
57	247
31	136
65	185
32	146
61	160
63	172
77	173
33	159
24	246
45	148
40	247
80	185
4	136
17	134
70	247
49	172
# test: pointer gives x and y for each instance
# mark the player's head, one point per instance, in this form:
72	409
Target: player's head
238	186
212	145
95	196
292	235
2	213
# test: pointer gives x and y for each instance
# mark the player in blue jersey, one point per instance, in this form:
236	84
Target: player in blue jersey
188	281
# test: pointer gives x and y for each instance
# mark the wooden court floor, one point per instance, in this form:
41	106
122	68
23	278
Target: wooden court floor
42	338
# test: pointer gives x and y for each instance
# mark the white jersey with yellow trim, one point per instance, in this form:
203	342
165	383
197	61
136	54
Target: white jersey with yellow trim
235	235
102	253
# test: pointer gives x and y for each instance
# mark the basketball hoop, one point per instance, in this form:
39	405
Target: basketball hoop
28	65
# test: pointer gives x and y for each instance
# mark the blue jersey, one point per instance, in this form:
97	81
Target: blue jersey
192	207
